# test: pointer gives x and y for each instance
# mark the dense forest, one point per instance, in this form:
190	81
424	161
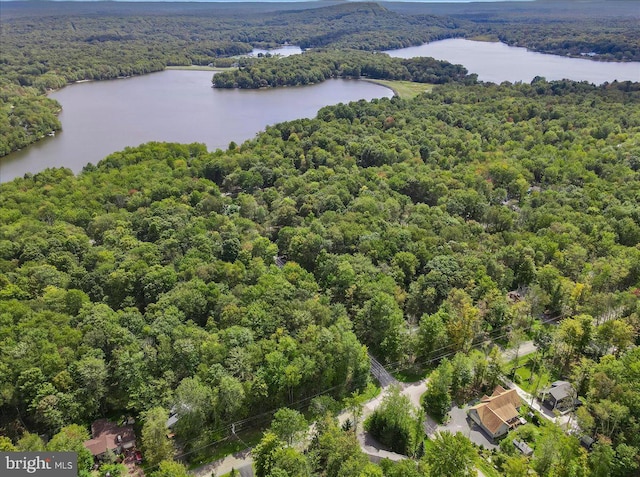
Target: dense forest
149	281
48	46
25	116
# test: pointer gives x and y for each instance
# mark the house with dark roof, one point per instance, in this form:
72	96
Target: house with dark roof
108	436
560	396
587	442
497	414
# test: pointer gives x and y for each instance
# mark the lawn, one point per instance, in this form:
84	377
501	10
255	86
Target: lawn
412	375
529	377
428	444
487	38
232	474
404	89
486	468
370	391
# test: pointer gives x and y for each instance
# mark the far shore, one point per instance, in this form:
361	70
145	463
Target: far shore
200	68
485	38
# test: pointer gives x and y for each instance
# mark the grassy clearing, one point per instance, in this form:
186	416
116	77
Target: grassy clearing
412	375
251	437
371	391
487	38
231	474
199	68
404	89
528	376
486	468
428	444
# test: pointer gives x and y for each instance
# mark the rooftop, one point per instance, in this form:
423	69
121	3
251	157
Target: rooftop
501	407
560	390
523	447
107	435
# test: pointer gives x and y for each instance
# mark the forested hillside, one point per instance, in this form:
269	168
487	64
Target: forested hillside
150	280
605	28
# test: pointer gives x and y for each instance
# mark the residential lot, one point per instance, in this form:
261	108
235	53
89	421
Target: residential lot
459	422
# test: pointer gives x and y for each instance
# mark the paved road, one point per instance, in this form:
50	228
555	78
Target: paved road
241	461
459	422
413	391
370	446
384	377
526	347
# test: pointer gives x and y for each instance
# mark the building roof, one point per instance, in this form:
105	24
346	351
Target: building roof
523	447
172	421
107	435
560	390
586	441
499	408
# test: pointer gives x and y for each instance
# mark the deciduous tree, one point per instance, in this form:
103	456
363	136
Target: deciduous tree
155	443
451	455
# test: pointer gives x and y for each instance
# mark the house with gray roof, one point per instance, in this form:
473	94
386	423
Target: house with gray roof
523	447
560	396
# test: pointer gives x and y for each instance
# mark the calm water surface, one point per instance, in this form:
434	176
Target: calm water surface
497	62
287	50
178	106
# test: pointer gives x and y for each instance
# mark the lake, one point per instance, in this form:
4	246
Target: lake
286	50
102	117
497	62
180	106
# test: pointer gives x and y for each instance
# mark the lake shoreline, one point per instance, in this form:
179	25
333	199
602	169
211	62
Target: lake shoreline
374	81
485	39
200	68
500	65
494	39
497	62
170	106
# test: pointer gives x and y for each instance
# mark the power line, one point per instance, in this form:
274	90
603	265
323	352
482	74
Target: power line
395	366
231	426
399	362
